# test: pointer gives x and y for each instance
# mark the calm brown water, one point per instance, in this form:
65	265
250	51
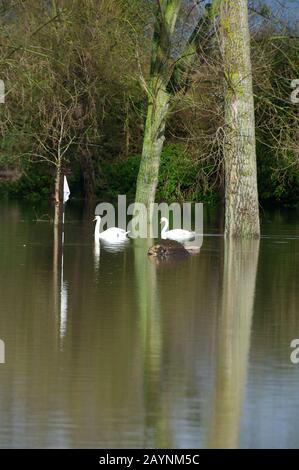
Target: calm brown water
130	354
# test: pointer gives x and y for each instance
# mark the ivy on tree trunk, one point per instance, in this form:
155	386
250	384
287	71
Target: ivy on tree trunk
158	101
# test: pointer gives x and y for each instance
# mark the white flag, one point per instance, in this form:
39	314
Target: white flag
66	190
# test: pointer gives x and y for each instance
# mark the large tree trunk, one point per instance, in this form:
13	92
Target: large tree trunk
158	101
241	194
152	144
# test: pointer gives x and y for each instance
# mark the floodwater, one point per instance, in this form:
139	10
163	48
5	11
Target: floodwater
121	352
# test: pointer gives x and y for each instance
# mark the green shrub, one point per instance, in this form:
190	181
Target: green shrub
119	178
32	185
178	177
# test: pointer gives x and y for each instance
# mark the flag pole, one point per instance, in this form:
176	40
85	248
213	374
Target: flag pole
63	292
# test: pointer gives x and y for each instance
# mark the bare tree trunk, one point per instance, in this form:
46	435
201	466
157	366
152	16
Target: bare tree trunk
241	194
58	193
158	101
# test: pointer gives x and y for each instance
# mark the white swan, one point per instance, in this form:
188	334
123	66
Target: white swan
177	234
112	235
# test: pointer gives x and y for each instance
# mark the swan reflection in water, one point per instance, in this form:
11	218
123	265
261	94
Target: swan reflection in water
111	247
108	247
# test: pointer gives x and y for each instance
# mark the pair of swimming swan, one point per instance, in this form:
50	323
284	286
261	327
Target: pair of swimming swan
115	234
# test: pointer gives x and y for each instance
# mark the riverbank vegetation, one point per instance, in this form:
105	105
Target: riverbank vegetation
77	77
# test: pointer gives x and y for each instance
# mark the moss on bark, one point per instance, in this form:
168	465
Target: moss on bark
241	195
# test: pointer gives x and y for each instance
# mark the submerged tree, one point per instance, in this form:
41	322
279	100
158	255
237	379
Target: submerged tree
158	100
241	194
174	53
232	351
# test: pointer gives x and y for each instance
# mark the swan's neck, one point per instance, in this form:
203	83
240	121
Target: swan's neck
97	228
165	227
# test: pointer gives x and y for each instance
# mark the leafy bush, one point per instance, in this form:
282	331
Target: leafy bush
119	178
178	175
177	178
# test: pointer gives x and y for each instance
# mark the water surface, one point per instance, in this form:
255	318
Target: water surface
122	352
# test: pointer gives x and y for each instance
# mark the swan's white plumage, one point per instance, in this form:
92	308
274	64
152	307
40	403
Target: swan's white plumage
177	234
112	234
